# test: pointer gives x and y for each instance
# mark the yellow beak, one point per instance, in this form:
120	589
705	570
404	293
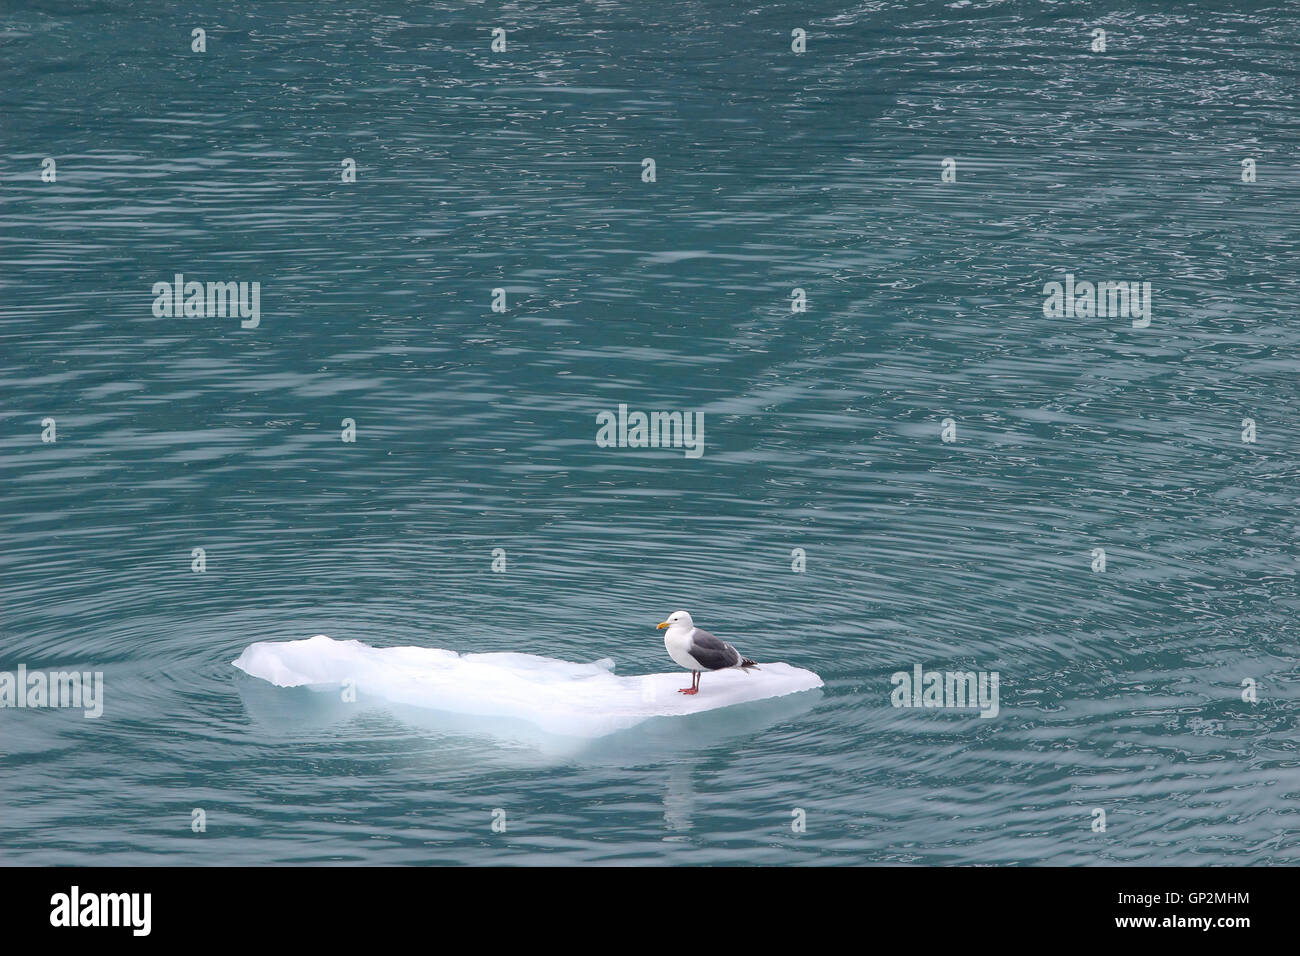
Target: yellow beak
660	627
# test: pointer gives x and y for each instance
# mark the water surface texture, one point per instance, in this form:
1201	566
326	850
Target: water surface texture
1120	689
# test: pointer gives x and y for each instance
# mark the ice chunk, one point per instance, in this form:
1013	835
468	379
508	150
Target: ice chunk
558	697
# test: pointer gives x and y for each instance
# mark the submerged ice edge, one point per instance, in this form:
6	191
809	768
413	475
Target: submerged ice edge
560	697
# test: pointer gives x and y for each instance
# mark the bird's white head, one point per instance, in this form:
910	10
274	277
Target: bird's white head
678	620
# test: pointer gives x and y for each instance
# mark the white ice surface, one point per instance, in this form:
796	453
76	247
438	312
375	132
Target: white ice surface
559	697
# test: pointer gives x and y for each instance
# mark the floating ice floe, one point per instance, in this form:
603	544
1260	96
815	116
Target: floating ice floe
557	697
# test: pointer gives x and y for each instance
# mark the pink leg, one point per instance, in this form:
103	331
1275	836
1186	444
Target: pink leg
695	684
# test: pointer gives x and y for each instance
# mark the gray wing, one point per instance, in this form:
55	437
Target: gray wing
712	653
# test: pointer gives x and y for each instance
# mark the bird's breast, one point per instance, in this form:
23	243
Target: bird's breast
678	645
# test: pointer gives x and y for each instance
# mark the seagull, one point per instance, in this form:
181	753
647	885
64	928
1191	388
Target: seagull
697	650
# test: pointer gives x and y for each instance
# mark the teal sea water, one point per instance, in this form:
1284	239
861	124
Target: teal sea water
1120	690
